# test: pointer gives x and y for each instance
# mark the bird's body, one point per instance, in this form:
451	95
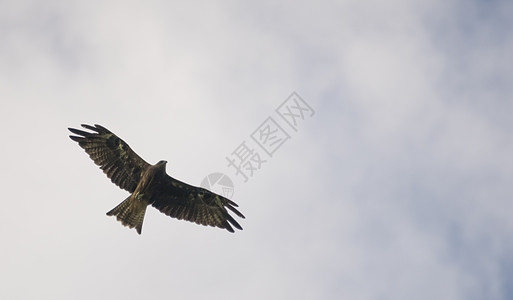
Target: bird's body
150	185
131	211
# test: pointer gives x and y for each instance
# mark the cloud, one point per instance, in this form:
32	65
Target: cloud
398	186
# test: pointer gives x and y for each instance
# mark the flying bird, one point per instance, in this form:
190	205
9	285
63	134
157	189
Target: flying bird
150	185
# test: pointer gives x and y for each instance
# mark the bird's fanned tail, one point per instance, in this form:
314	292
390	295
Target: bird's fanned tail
130	213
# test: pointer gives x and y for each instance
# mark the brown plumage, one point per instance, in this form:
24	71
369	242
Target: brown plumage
150	185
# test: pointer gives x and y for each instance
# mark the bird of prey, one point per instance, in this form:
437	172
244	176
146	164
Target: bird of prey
150	185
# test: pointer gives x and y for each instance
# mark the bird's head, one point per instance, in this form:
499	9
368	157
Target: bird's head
162	164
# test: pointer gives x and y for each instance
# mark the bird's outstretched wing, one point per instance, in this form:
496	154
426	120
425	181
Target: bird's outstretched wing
185	202
120	163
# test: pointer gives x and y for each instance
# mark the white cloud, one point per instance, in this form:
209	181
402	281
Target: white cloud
398	187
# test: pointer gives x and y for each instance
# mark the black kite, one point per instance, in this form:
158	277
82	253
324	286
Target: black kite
149	184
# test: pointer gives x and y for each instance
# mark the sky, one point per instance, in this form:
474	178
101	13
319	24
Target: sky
396	183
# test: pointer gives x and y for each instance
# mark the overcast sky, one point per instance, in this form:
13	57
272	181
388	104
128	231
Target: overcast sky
397	184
